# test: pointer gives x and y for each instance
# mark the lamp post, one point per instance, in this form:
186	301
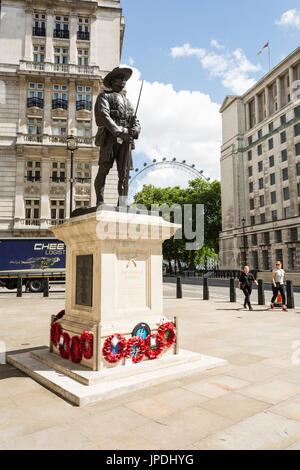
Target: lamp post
72	146
244	240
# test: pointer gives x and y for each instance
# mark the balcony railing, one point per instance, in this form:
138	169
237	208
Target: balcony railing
85	140
83	104
61	33
83	35
56	221
59	104
34	138
58	179
36	31
64	68
58	138
82	180
35	102
31	222
32	179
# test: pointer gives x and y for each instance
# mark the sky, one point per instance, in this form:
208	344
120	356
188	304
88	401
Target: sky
191	55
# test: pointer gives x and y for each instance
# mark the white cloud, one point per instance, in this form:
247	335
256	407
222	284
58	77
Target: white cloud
216	44
233	68
130	60
290	18
185	125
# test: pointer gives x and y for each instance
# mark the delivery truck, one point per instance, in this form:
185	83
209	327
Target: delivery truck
32	260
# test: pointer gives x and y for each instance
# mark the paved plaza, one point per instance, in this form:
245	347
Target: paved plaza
251	403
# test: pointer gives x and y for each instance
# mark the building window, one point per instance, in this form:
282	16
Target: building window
271	144
272	178
274	215
61	29
250	171
83	128
294	234
251	204
261	201
33	170
265	257
252	219
57	211
284	155
39	22
35	95
271	161
261	183
262	218
266	238
279	256
84	98
35	126
249	155
83	172
286	193
58	174
298	189
283	137
260	166
297	130
297	111
250	187
82	204
59	127
83	32
271	127
278	236
292	258
250	140
286	212
259	134
285	174
298	169
254	239
61	55
83	56
60	97
39	54
297	148
283	119
259	149
32	211
273	197
255	259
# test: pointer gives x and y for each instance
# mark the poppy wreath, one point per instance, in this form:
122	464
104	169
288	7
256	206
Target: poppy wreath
86	344
109	356
167	332
75	350
135	349
64	348
154	353
55	333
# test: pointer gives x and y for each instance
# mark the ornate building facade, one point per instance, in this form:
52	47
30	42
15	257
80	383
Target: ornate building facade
260	172
53	57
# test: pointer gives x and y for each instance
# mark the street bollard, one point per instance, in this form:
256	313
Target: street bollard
261	292
46	287
205	289
178	288
19	287
232	291
290	294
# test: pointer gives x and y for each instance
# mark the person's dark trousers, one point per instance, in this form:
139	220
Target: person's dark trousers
247	292
279	288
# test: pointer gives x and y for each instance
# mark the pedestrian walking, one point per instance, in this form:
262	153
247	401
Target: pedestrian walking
278	285
245	284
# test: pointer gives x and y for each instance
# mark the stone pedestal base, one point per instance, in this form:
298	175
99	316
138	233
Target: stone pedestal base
82	386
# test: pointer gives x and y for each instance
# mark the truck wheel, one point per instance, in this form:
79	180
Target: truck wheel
35	285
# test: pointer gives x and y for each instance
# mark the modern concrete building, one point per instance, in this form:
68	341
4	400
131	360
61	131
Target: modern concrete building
53	57
260	172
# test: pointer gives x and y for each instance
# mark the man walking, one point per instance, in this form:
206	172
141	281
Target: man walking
245	284
278	285
117	129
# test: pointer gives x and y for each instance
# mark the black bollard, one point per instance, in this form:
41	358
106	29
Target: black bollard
290	294
46	287
261	292
19	287
232	291
178	288
205	289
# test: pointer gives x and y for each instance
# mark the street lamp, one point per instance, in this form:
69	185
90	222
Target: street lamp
72	145
244	240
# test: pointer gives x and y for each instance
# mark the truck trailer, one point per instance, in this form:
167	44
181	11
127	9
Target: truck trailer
32	260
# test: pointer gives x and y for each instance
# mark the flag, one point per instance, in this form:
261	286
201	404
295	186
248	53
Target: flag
266	46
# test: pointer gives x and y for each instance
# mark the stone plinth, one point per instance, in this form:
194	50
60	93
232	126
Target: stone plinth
113	275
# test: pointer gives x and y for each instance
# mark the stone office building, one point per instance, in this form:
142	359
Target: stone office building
260	172
53	57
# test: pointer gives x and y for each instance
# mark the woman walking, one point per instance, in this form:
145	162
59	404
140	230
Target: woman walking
245	284
278	285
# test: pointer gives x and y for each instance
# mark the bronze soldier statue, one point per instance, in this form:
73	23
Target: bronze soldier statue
117	129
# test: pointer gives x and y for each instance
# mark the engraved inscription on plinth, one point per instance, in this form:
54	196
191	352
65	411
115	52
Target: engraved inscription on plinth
84	280
132	281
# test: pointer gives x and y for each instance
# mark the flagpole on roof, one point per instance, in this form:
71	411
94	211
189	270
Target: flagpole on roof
269	54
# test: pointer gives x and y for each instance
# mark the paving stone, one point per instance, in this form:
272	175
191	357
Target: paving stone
273	391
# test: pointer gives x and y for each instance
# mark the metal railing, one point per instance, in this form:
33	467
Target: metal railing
59	104
83	35
35	102
32	179
58	179
83	104
34	138
61	33
36	31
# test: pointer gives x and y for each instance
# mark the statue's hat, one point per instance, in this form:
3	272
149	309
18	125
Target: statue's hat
117	72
